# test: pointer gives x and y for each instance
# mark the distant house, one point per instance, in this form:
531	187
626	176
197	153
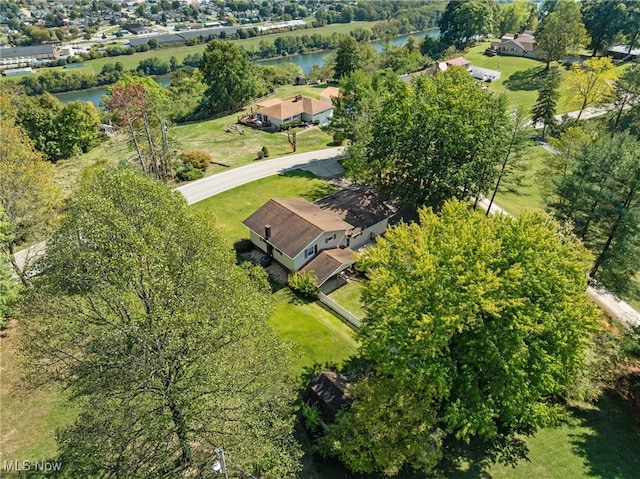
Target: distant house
623	52
329	93
443	66
137	28
318	236
478	73
280	113
517	45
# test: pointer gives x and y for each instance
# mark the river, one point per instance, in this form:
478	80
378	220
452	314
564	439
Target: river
305	62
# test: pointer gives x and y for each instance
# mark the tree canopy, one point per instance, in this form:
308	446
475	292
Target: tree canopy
591	83
600	194
561	31
142	313
29	198
57	130
228	73
440	139
475	328
462	20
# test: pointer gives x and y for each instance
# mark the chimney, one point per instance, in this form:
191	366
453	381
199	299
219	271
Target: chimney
267	231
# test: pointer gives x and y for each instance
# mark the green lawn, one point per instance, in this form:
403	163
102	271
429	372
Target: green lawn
232	207
316	335
236	149
348	296
28	418
530	195
520	77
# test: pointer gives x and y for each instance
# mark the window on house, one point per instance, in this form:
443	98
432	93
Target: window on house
309	252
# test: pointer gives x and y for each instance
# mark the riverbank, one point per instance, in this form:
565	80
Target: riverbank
304	60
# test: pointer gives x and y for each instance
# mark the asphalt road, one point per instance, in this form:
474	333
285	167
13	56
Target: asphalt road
212	185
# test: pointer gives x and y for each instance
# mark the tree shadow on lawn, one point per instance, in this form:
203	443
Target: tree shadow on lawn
527	80
612	450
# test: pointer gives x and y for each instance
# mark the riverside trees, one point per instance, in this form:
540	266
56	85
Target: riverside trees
474	327
162	339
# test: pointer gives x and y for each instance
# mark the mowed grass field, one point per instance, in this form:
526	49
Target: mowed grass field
28	418
520	79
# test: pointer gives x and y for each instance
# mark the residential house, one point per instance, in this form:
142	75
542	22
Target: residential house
623	52
483	74
328	94
518	45
280	113
320	236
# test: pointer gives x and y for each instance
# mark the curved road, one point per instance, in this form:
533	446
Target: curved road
212	185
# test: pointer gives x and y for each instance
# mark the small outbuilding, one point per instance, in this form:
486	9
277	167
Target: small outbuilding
329	390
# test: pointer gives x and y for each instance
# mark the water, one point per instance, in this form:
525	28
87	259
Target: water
94	95
305	62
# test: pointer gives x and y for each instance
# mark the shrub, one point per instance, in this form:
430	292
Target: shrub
304	284
312	417
196	158
243	246
265	152
260	155
189	173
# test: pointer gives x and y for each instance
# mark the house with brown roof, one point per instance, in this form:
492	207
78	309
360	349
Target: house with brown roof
320	236
518	45
279	113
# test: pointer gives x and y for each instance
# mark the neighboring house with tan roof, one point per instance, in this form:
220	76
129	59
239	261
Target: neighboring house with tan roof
318	236
518	45
329	93
279	113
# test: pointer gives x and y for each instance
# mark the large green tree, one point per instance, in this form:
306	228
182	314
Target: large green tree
462	20
600	194
516	16
440	139
348	57
163	341
8	284
561	32
29	198
476	327
228	73
59	131
603	20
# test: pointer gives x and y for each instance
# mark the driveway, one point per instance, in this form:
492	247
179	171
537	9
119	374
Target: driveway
212	185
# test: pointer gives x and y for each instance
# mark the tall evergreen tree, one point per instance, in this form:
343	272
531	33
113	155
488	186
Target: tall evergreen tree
601	196
545	108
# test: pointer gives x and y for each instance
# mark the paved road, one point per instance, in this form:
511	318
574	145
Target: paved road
212	185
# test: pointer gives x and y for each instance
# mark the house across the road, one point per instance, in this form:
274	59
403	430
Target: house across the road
320	236
298	109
